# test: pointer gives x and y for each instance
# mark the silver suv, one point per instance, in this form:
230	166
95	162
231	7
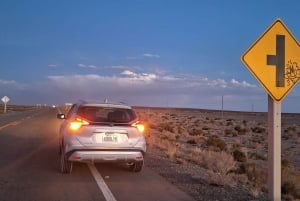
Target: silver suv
101	133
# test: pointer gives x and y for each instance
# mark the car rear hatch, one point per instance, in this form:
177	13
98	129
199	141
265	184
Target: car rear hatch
108	128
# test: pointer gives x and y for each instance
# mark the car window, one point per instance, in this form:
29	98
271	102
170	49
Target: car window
101	114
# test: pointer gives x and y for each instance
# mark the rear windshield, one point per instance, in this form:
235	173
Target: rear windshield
101	114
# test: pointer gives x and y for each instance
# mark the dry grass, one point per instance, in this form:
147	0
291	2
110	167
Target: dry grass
231	150
10	108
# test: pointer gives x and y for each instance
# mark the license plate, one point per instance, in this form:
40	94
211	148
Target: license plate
110	138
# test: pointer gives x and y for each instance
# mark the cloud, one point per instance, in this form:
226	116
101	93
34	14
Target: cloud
52	65
121	67
139	88
7	82
128	73
151	55
92	66
145	55
150	89
241	84
87	66
140	77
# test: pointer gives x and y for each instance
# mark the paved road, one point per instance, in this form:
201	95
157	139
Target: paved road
29	168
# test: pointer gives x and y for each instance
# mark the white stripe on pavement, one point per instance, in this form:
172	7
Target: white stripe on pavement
101	184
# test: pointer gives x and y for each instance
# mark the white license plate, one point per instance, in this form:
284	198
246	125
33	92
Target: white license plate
112	138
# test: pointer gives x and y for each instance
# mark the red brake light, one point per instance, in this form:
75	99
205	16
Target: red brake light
139	126
77	124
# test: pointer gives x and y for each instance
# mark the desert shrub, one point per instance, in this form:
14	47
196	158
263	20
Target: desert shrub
164	137
291	129
169	148
180	161
205	128
215	141
256	174
191	117
256	156
219	162
179	129
242	130
217	179
242	169
198	121
171	152
192	141
165	117
230	132
236	147
290	181
258	129
193	155
229	123
173	116
239	156
165	127
285	163
152	126
195	132
257	138
289	188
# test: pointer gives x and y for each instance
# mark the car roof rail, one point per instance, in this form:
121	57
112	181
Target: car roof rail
80	102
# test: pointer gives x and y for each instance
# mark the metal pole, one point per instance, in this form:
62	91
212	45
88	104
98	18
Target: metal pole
274	149
222	106
4	108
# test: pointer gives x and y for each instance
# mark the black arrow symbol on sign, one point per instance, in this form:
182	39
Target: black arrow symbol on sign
278	60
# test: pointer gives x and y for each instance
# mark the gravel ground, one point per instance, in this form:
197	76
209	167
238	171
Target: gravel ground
174	133
188	178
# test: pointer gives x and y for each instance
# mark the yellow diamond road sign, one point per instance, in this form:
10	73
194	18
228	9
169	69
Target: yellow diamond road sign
274	59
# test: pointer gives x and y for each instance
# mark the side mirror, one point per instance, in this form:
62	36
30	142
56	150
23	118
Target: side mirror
61	116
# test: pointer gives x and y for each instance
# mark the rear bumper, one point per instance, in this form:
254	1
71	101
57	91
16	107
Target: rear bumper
105	156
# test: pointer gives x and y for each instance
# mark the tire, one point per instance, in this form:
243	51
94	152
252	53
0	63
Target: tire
136	166
65	165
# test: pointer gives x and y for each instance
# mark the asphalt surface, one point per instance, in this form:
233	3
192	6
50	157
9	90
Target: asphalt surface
29	168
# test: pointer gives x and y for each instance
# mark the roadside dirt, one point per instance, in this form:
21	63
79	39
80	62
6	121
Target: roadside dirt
178	142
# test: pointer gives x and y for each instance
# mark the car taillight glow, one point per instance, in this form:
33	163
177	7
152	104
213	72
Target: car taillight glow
77	124
139	126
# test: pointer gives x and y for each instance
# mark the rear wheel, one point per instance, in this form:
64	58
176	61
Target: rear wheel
136	166
65	165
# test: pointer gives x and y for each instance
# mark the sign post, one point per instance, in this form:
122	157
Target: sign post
5	100
274	149
274	60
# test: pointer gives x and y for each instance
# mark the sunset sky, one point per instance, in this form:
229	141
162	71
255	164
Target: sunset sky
167	53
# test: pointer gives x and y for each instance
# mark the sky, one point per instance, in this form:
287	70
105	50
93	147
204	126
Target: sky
170	53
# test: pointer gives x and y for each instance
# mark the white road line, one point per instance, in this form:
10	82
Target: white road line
101	184
10	124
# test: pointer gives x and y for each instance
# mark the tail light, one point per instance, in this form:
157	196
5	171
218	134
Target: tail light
77	124
139	126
